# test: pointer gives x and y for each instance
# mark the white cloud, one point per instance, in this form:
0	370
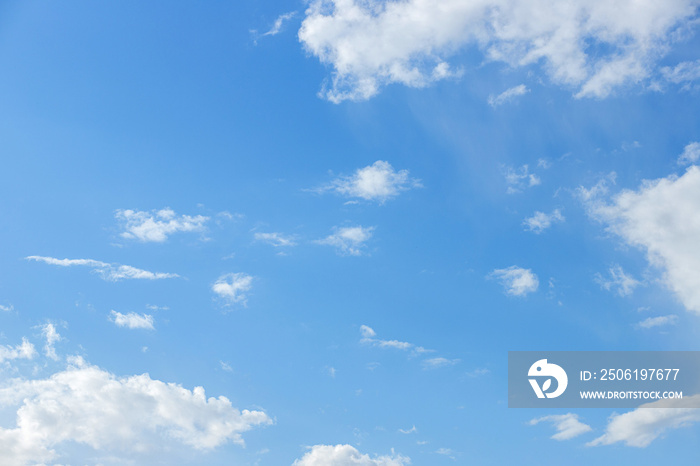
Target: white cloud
157	225
7	308
683	72
368	338
508	95
132	320
567	425
624	284
376	182
520	179
225	366
86	405
592	46
277	26
347	455
691	154
23	351
412	430
49	332
348	240
276	239
435	363
446	452
658	321
662	217
108	272
541	221
642	426
232	287
516	280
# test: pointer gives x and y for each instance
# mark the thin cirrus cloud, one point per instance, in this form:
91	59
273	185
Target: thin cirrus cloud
661	219
108	272
326	455
540	221
660	321
348	241
567	425
592	47
377	182
369	338
88	406
48	330
516	281
132	320
618	280
157	225
508	95
277	240
232	288
519	179
645	424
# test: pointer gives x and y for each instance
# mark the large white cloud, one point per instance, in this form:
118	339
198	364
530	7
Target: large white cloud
87	405
662	217
347	455
108	272
592	46
157	225
642	426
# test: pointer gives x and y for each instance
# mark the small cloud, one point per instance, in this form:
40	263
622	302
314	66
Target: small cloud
132	320
108	272
478	372
157	225
520	179
541	221
368	335
23	351
7	308
567	425
658	321
517	281
599	190
348	240
412	430
436	363
446	452
684	72
225	366
232	287
619	280
275	239
377	182
277	26
690	155
508	95
49	332
331	372
153	307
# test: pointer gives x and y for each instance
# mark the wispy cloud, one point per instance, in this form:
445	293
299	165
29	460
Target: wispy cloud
541	221
436	363
232	287
377	182
23	351
348	240
48	330
108	272
619	280
279	22
157	225
690	155
132	320
368	338
517	281
508	95
520	179
275	239
660	321
7	308
568	425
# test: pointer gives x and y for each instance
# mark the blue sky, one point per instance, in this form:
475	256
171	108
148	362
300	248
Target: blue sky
337	218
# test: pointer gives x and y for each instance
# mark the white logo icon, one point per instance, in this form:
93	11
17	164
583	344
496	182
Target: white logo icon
543	369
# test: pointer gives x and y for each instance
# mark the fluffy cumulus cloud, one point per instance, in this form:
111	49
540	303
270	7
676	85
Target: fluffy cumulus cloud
122	416
517	281
157	225
567	425
541	221
376	182
591	46
108	272
232	287
347	455
348	240
132	320
617	280
25	350
662	218
642	426
508	95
